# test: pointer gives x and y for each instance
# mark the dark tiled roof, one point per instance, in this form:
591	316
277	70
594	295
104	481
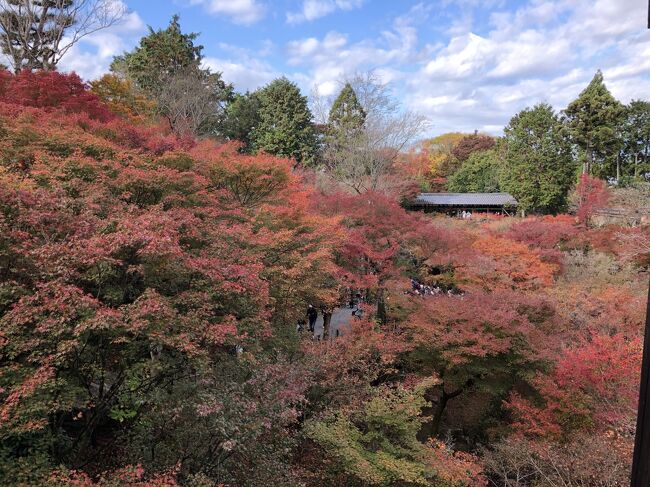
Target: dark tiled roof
465	199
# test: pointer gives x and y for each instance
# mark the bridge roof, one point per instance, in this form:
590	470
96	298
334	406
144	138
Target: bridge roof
465	199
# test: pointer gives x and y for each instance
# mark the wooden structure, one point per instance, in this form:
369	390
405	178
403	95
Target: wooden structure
456	203
641	459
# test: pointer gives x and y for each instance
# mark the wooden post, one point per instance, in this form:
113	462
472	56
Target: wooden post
641	459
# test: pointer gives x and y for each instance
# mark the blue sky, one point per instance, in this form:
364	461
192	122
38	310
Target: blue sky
463	64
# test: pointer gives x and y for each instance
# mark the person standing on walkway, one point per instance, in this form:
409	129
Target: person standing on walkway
312	315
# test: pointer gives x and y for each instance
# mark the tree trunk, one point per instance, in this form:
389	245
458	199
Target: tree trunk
382	314
586	167
327	318
431	427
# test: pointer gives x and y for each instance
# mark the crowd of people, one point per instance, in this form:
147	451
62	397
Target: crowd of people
420	289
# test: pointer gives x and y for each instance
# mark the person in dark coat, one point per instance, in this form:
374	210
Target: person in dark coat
312	315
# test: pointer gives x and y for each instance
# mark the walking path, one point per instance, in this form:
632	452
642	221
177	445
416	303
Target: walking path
341	318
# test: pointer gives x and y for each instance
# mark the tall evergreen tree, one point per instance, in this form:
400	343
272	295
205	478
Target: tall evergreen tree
167	67
594	120
539	169
347	116
161	53
285	123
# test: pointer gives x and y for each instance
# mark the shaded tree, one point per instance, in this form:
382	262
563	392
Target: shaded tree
591	195
470	144
479	173
193	100
488	344
636	134
242	115
441	153
52	91
347	116
377	445
159	55
539	169
123	98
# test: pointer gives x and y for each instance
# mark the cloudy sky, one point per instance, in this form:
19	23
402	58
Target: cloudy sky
464	64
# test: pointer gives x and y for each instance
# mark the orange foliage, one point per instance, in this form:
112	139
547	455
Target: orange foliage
503	263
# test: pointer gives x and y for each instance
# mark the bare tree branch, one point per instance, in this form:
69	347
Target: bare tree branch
363	160
36	34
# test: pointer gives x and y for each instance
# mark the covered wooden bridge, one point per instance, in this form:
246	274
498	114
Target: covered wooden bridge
456	203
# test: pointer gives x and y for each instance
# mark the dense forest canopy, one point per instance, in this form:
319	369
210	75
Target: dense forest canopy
165	243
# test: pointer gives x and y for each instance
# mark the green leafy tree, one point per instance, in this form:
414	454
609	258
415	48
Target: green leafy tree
378	445
285	123
478	174
594	119
167	66
539	169
161	53
242	115
636	133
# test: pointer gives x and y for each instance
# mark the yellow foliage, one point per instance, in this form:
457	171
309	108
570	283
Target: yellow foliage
122	98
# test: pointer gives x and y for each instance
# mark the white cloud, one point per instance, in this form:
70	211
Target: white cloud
315	9
246	73
244	12
325	62
464	56
543	51
91	57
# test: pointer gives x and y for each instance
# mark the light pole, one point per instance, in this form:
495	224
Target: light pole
641	459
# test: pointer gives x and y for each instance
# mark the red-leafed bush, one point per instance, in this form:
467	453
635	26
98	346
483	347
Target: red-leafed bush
52	90
592	195
548	232
129	275
593	387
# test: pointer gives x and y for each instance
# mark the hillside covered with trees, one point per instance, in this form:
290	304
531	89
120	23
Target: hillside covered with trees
162	238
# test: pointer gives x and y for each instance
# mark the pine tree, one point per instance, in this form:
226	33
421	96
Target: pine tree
285	123
539	169
35	34
161	54
594	120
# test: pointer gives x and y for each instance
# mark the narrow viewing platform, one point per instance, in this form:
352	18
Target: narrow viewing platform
453	203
